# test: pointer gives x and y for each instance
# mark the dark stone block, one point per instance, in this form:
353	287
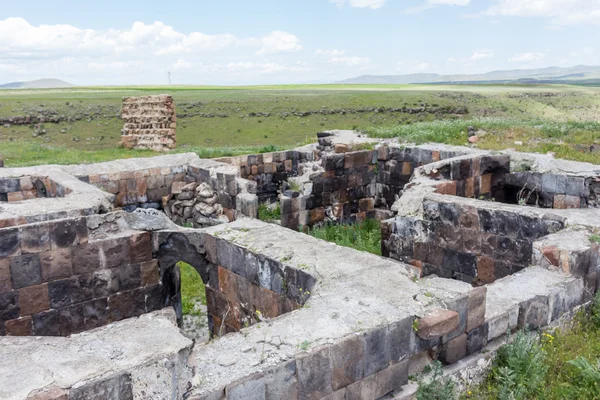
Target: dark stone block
487	221
347	359
9	306
554	184
34	238
115	387
449	213
397	338
69	232
140	248
506	223
95	313
126	305
70	291
8	185
155	297
314	372
25	271
477	338
71	319
238	261
534	313
9	242
86	258
463	263
116	252
575	186
46	323
530	227
376	351
128	277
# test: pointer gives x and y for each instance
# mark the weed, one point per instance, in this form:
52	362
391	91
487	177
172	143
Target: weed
364	236
594	238
433	385
266	213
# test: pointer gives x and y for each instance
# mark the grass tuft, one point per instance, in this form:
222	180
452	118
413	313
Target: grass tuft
364	236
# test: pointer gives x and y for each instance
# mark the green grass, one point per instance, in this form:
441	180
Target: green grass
192	289
219	121
564	364
364	236
267	214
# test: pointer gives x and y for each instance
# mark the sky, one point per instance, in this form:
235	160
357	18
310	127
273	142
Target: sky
247	42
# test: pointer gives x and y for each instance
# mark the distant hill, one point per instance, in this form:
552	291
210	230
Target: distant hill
37	84
580	74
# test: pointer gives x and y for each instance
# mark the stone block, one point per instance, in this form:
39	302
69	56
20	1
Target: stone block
115	252
377	356
437	323
248	388
126	305
25	271
5	280
128	277
140	247
114	387
68	232
33	299
534	313
9	242
19	327
87	258
34	238
565	297
477	338
476	313
485	269
95	313
454	350
71	319
149	272
46	323
348	361
460	304
9	306
49	393
379	384
65	292
314	371
56	264
280	382
398	334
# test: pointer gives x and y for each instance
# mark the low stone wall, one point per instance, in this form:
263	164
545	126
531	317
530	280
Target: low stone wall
149	122
30	187
269	170
550	190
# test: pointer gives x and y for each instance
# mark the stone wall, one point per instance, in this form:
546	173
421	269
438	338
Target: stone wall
60	277
269	170
30	187
149	122
549	190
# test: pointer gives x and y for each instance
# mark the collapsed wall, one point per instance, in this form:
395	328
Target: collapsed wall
149	123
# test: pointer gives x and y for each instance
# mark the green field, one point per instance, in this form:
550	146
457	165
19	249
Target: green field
217	121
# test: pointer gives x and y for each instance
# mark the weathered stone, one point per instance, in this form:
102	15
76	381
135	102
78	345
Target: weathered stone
126	304
376	351
454	350
477	338
67	233
9	307
281	382
56	264
46	323
140	248
115	387
250	387
25	270
437	323
87	258
533	313
33	299
347	359
49	393
476	313
34	238
314	372
5	281
9	242
19	327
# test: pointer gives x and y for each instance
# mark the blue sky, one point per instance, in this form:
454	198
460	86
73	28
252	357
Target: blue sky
285	41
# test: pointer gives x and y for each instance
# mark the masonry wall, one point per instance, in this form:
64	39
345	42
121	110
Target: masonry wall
550	190
149	122
30	187
56	279
269	170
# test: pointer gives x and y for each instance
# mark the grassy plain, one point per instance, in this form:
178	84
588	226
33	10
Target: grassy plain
218	121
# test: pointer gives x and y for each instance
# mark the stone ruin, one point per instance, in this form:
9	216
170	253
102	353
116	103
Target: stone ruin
149	123
475	245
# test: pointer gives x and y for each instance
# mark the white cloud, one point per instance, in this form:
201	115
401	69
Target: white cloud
263	68
449	2
279	42
335	56
182	64
562	12
526	57
481	54
373	4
